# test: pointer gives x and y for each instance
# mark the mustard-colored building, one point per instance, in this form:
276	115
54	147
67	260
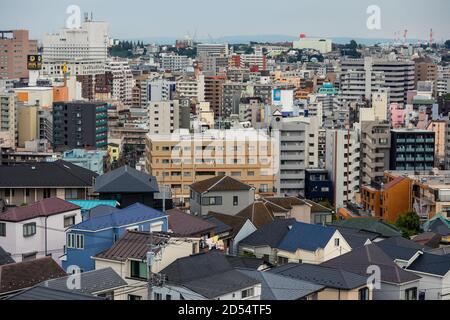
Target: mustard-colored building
27	124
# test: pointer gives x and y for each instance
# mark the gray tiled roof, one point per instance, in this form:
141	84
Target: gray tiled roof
327	276
126	179
278	287
431	264
270	234
92	282
50	294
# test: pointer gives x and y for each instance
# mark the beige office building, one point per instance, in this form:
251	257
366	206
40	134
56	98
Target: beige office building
27	124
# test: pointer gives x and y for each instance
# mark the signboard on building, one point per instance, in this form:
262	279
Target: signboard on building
34	62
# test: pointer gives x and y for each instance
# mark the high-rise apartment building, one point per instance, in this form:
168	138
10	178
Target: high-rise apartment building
80	124
163	116
174	62
213	93
212	49
15	46
8	111
122	81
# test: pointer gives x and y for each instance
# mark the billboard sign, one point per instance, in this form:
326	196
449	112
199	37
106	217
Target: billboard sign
34	62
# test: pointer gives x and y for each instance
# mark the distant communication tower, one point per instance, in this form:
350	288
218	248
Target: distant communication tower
431	37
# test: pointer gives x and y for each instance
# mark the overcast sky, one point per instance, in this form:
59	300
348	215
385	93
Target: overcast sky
217	18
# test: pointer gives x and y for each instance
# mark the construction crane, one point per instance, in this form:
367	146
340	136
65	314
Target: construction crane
431	38
405	35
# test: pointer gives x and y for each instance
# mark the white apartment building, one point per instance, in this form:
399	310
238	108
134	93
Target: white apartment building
8	110
123	81
174	62
250	60
192	88
161	89
163	116
85	49
342	160
212	49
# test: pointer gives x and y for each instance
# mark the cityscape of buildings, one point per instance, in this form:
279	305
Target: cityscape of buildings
223	171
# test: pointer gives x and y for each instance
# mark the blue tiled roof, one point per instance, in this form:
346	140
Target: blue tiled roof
306	236
131	215
89	204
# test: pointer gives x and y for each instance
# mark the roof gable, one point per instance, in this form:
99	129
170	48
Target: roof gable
126	180
306	236
220	183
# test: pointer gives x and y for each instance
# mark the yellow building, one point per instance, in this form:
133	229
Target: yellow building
114	150
27	124
180	159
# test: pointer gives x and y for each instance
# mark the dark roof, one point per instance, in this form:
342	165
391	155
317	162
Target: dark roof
92	282
101	211
126	180
278	287
135	213
428	239
286	202
403	242
209	274
5	257
219	226
356	238
259	213
132	245
183	224
45	174
306	236
236	223
26	274
43	208
317	207
270	234
327	276
431	264
219	183
439	251
397	252
359	259
50	294
439	227
369	224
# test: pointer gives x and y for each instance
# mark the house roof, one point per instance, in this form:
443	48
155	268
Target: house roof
359	259
393	182
5	257
438	224
369	224
26	274
403	242
440	251
101	211
431	264
428	239
130	215
259	213
270	234
209	274
220	183
236	223
126	180
44	208
45	174
286	202
91	282
90	204
330	277
183	224
219	226
278	287
50	294
306	236
398	252
356	238
132	245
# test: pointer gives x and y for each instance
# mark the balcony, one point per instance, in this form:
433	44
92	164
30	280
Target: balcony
400	159
420	149
410	140
429	140
420	140
401	140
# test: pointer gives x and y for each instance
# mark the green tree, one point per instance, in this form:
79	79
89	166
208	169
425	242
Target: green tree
408	223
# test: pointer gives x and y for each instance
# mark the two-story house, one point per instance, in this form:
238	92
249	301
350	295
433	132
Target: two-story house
37	230
222	194
99	233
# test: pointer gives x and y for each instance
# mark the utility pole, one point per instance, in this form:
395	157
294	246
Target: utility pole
150	259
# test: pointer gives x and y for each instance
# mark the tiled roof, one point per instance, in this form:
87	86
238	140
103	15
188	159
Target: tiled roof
43	208
132	245
183	224
271	234
90	204
126	179
130	215
26	274
50	294
370	224
220	183
45	174
431	264
393	182
259	213
306	236
235	222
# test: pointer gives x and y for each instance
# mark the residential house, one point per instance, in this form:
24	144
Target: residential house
127	186
210	276
240	228
395	282
37	230
182	224
279	287
439	225
20	276
87	205
383	229
428	239
288	240
220	194
128	257
105	283
339	284
31	182
99	233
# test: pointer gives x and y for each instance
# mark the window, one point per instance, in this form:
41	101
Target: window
75	241
282	261
336	242
47	193
363	294
158	296
71	194
212	201
2	229
168	297
133	297
29	229
248	293
235	201
138	270
411	294
69	221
